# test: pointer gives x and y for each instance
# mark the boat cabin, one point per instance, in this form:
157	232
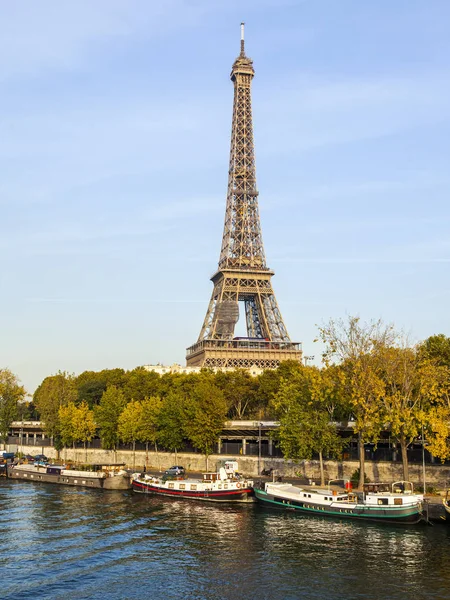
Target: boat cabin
55	469
377	488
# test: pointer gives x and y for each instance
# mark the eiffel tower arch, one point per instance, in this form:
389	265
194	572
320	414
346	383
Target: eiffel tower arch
242	274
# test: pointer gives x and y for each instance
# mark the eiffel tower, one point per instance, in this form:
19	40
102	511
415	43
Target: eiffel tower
242	274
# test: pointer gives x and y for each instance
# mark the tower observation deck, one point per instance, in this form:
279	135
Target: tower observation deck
242	274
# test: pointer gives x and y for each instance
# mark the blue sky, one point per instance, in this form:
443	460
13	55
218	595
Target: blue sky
114	138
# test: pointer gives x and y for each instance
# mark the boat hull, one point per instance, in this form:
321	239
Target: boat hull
119	482
239	495
400	514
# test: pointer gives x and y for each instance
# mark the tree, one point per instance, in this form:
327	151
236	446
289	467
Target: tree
171	421
437	348
55	391
304	407
26	411
410	384
240	392
91	392
206	411
66	415
107	416
355	346
130	425
140	384
148	426
268	385
11	393
437	417
84	426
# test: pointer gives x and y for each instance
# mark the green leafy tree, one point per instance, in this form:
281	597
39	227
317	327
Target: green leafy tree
437	349
130	425
240	392
171	422
26	411
66	415
91	392
84	426
140	384
268	385
205	411
304	406
107	415
55	391
11	394
148	426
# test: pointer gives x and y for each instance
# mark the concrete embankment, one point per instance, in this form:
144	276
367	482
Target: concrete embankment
436	475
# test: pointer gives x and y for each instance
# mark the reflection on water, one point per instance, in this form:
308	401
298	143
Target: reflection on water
60	542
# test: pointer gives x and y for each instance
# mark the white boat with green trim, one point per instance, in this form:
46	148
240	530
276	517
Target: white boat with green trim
378	502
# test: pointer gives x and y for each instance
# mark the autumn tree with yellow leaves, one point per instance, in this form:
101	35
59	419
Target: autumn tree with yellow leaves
355	345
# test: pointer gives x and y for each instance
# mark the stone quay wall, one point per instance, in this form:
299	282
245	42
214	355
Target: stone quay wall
436	475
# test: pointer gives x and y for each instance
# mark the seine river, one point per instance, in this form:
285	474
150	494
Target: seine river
69	543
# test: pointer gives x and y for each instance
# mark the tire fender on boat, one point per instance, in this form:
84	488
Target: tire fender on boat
238	485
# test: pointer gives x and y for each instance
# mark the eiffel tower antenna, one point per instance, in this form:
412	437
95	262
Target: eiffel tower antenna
242	274
242	39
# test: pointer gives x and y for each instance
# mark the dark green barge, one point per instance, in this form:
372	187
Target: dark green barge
378	505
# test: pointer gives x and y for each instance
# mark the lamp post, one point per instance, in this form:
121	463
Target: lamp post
308	359
259	448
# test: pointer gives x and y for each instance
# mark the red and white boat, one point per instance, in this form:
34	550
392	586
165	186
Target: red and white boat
226	485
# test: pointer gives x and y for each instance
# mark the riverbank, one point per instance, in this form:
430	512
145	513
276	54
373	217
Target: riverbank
437	476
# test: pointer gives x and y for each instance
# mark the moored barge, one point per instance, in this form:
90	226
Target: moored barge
224	486
108	477
378	503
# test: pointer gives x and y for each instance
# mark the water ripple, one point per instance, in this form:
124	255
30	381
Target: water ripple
65	542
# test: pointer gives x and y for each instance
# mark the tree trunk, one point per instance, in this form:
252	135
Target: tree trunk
206	457
134	455
74	452
322	474
157	456
85	452
361	462
404	447
146	455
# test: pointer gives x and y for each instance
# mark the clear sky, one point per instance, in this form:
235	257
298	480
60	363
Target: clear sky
115	122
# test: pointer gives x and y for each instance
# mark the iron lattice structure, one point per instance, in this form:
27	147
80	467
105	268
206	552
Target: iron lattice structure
242	274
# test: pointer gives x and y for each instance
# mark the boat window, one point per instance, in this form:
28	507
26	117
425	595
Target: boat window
398	501
225	486
309	495
383	501
171	486
193	486
182	486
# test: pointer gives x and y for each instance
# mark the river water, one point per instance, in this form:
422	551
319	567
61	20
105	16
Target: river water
73	543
